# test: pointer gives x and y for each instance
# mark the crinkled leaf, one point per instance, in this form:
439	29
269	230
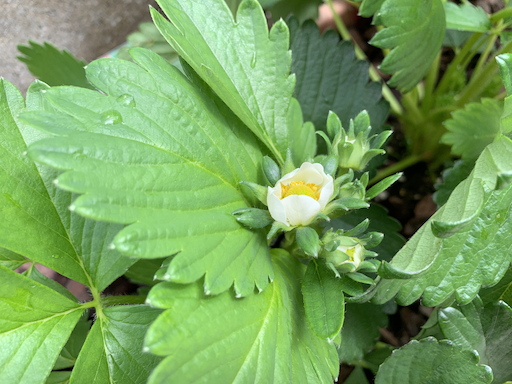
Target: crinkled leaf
466	17
324	303
488	330
430	361
52	66
329	78
244	63
112	352
451	177
150	152
501	291
476	255
35	322
471	129
360	330
414	32
261	338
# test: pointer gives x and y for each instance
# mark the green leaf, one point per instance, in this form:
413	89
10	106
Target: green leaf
52	66
261	338
33	273
144	270
37	223
150	152
414	32
324	303
35	322
323	87
466	17
357	377
430	361
452	177
476	256
59	377
112	352
370	7
301	9
471	129
500	291
505	65
69	353
360	330
487	330
248	67
10	259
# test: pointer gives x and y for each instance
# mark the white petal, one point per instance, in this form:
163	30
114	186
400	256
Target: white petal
276	207
326	193
300	209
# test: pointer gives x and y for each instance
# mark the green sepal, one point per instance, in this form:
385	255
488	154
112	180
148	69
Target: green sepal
276	229
333	125
330	164
346	204
382	185
324	302
308	240
271	170
254	190
372	239
253	217
361	278
358	229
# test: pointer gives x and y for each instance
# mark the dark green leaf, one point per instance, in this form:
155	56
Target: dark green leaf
69	353
451	178
112	352
261	338
370	7
414	32
153	155
327	71
501	291
35	322
360	330
430	361
471	129
52	66
488	330
144	270
324	302
61	377
301	9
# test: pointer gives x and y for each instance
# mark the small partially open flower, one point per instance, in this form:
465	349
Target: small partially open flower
355	253
300	195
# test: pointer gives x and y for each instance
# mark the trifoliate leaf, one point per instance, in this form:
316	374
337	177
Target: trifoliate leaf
360	330
52	66
487	330
343	88
466	17
475	256
414	32
36	221
430	361
153	151
501	291
261	338
35	322
244	63
471	129
324	302
112	352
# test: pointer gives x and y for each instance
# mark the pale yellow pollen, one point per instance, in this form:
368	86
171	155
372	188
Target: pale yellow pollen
301	188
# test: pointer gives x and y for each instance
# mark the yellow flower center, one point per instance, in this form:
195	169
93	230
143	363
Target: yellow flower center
301	188
351	252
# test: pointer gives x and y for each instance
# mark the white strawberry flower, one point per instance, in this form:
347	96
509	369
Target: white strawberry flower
300	195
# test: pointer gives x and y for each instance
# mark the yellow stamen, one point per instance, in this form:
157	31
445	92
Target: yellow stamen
301	188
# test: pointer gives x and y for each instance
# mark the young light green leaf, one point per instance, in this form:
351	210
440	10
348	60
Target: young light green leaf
474	257
35	322
487	330
153	155
324	302
471	129
430	361
248	67
360	330
52	66
466	17
261	338
323	87
113	352
415	32
10	259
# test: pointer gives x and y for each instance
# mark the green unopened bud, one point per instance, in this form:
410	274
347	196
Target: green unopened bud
253	217
271	170
348	256
253	190
308	240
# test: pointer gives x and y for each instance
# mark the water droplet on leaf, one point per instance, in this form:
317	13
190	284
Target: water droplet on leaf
253	60
111	117
126	100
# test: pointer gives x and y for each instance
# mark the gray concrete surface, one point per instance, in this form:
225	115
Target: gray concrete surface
86	28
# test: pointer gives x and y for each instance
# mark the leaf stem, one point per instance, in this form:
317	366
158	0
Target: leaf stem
396	107
500	15
397	167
